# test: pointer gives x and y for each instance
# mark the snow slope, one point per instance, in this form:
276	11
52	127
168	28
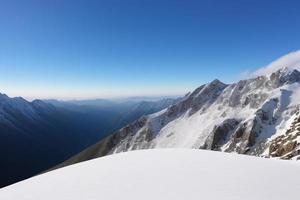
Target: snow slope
165	174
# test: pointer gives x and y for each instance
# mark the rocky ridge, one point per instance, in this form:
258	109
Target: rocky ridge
287	146
241	117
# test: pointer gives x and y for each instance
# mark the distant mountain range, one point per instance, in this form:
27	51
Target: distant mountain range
258	116
40	134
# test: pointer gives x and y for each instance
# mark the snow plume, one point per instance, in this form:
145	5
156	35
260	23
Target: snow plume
290	60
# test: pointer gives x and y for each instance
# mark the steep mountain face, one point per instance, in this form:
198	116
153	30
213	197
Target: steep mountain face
245	117
287	146
35	136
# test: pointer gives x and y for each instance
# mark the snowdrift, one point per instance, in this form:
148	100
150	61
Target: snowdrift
174	174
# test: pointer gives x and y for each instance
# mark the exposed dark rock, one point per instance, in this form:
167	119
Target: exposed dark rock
284	76
220	134
244	137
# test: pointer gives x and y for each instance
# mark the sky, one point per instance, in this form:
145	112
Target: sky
72	49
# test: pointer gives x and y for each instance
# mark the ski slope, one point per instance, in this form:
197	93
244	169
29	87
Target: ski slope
168	174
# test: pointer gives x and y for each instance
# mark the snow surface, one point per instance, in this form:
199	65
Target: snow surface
165	174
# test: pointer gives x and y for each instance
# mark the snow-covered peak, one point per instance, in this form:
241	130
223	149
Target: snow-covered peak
285	76
216	82
286	71
215	85
208	89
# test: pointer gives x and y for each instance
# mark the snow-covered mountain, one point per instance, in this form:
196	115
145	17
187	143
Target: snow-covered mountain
257	116
173	174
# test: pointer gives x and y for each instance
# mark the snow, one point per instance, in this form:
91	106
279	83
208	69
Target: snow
154	115
191	131
295	98
165	174
187	131
290	60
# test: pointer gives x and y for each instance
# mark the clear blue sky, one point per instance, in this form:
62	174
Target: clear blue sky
107	48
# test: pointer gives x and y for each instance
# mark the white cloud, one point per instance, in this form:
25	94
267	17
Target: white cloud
290	60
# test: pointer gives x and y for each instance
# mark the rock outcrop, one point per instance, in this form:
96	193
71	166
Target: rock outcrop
287	146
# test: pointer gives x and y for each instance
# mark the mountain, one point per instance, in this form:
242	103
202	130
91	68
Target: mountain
113	114
164	175
139	109
257	116
38	135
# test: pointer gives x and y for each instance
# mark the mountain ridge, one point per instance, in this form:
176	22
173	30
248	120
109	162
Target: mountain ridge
241	117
